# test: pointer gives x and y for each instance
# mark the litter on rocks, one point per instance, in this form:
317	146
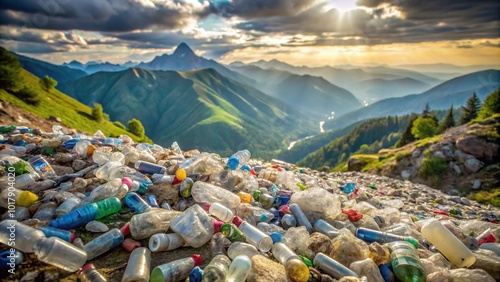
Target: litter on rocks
99	208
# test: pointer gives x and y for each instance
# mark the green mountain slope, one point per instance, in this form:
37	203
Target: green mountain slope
55	103
199	109
41	69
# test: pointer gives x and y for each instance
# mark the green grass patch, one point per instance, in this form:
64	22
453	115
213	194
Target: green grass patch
433	169
401	155
342	167
428	141
487	197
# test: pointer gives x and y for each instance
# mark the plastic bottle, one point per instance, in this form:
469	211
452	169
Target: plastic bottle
17	197
104	243
176	270
240	248
136	203
194	225
239	269
26	179
447	243
371	236
238	159
26	237
266	200
165	242
155	221
196	274
89	273
42	167
332	267
219	244
86	214
254	236
185	187
46	211
68	205
217	269
81	148
113	188
152	202
301	217
138	266
406	263
149	168
258	214
60	253
232	232
208	193
221	212
326	228
20	214
163	178
288	221
59	233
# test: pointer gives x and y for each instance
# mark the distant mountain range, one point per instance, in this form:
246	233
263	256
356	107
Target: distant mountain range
199	109
41	69
453	92
378	89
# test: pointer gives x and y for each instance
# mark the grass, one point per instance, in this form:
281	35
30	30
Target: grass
487	197
54	103
428	141
433	169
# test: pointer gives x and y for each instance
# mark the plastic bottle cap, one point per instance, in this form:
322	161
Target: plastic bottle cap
233	163
237	221
217	226
180	174
197	259
125	230
72	237
85	267
127	181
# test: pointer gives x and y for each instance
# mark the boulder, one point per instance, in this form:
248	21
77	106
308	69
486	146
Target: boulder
416	153
355	164
457	169
320	243
473	165
264	269
478	147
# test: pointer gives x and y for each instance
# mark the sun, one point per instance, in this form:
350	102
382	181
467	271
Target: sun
341	5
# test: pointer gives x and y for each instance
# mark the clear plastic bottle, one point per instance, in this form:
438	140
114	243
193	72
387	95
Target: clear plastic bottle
165	242
219	244
17	197
89	273
254	236
406	263
176	270
46	211
301	217
163	178
59	233
240	248
86	214
155	221
259	214
149	168
26	179
25	236
113	188
326	228
68	205
221	212
296	270
238	159
288	221
371	236
81	148
136	203
239	269
217	269
60	253
332	267
104	243
138	266
208	193
447	243
42	167
102	155
194	225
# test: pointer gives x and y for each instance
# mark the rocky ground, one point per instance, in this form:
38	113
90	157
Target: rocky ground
384	203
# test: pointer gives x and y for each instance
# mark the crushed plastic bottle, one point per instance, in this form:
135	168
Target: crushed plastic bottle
176	270
194	225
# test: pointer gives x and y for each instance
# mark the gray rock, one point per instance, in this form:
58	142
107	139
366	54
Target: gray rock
416	153
62	170
320	243
367	268
78	185
473	164
40	186
488	263
79	165
37	131
456	199
440	276
63	158
96	227
78	242
406	174
264	269
457	169
465	201
476	184
439	154
469	275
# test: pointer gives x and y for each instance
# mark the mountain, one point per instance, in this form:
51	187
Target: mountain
109	67
379	89
40	68
446	68
184	59
74	64
312	95
198	109
453	92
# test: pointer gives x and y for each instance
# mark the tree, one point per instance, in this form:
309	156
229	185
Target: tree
469	111
427	110
448	121
97	112
135	127
29	96
407	137
490	106
48	83
10	71
424	127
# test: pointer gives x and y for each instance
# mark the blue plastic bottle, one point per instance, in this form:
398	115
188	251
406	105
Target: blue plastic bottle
60	233
151	200
149	168
196	274
136	203
371	236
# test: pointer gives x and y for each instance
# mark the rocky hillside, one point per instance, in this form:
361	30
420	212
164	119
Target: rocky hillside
462	159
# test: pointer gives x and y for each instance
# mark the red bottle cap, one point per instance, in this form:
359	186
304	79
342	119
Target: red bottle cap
130	244
217	225
85	267
237	221
127	181
125	230
72	237
197	259
176	181
252	171
205	206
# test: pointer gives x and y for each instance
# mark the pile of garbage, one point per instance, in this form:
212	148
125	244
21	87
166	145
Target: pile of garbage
239	219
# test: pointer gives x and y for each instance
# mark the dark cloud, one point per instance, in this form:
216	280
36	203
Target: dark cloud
101	15
261	8
34	47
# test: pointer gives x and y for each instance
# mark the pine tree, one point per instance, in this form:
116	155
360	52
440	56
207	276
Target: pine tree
407	137
448	121
490	106
469	111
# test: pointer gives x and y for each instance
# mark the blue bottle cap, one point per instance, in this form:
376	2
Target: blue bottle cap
276	237
233	163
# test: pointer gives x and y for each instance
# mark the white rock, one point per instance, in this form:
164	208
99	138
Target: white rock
96	227
476	184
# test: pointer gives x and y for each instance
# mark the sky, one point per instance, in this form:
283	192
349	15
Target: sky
299	32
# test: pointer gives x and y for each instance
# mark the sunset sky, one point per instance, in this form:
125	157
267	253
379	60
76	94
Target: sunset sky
300	32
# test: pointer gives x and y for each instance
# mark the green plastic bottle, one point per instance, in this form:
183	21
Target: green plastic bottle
405	262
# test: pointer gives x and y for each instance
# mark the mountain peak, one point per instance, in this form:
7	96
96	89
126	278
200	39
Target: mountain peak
183	50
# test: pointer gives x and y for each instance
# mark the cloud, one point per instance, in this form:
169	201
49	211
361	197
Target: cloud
261	8
102	15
